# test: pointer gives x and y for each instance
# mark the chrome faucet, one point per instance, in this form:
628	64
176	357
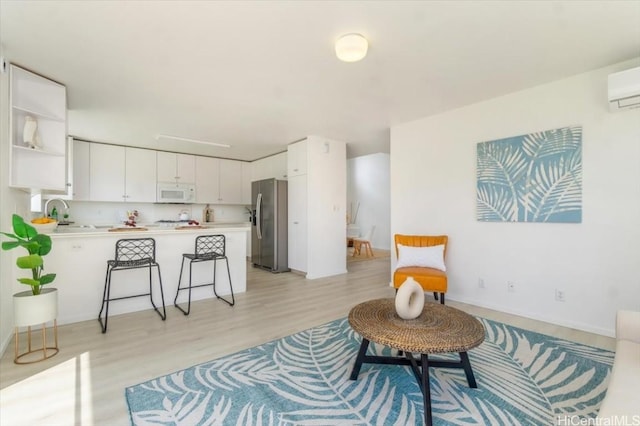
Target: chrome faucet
64	203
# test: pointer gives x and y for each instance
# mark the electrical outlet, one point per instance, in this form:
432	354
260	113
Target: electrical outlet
560	296
511	286
480	283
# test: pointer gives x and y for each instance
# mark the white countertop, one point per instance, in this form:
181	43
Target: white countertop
63	231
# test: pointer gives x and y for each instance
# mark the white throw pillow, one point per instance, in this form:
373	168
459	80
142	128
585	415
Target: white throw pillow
427	257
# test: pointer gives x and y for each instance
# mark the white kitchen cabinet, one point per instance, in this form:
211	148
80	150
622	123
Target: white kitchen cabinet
81	173
179	168
274	166
279	166
297	222
258	169
218	181
230	181
118	173
207	176
37	103
140	175
246	185
107	172
297	158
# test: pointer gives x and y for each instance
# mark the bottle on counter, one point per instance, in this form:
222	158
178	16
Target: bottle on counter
207	214
54	213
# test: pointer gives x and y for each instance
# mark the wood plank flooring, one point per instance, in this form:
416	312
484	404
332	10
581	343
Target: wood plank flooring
84	384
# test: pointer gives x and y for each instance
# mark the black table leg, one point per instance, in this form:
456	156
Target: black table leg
464	359
361	354
426	390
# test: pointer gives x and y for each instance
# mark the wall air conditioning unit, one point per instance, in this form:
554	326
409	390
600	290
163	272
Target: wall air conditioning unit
624	89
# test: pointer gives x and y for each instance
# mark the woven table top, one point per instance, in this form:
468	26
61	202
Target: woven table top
438	329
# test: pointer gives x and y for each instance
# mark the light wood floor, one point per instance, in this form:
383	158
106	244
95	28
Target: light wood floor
84	384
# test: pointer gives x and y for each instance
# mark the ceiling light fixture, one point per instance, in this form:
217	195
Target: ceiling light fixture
351	47
178	138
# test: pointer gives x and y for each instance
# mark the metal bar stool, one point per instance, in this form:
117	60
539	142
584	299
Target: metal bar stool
208	248
133	253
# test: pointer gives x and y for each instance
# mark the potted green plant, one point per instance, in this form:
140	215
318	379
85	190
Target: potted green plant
38	306
37	246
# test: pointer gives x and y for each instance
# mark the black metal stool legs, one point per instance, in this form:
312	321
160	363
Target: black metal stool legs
233	299
132	253
208	248
212	283
106	296
175	301
163	315
105	300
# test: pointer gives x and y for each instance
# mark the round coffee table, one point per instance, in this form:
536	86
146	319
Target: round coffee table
439	329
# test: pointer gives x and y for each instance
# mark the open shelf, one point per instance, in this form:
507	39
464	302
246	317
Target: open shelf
39	151
43	167
28	111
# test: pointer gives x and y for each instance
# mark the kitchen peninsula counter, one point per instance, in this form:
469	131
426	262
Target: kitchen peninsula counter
79	259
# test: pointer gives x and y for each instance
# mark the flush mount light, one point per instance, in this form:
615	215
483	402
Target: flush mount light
351	47
178	138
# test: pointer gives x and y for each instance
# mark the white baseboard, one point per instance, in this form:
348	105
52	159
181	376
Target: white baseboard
535	316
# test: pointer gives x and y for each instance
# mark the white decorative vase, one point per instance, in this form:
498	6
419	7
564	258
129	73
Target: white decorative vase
29	310
409	299
30	132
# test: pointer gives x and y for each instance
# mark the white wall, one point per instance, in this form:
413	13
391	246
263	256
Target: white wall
596	263
368	184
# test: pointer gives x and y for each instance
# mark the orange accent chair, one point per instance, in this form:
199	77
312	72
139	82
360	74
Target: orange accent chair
430	279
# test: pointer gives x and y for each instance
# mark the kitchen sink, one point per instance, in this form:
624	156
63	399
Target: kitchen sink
73	229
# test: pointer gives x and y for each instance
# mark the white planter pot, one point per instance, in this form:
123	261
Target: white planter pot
31	310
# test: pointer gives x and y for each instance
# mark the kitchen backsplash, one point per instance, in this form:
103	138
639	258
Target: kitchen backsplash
96	213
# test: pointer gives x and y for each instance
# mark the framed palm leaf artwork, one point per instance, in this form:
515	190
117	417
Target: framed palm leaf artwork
531	178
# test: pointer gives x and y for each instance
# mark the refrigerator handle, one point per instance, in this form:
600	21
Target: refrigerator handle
259	216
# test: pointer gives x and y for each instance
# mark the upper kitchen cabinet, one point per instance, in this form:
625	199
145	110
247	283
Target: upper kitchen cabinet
178	168
207	176
38	129
272	167
230	182
80	169
297	158
218	181
120	173
140	175
106	172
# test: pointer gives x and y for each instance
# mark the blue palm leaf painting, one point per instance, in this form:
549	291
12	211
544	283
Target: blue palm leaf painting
531	178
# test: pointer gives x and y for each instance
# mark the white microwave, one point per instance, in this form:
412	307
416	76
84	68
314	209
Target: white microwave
176	193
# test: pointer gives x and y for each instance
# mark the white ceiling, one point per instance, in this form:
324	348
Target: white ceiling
259	75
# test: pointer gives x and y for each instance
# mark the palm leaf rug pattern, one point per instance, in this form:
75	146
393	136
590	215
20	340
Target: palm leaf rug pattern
523	378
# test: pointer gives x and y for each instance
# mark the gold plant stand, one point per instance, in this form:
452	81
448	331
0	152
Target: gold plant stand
47	351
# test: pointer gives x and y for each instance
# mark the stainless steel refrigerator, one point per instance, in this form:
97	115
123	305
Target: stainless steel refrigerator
269	225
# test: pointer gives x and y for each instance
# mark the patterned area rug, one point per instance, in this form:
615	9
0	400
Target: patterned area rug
303	379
